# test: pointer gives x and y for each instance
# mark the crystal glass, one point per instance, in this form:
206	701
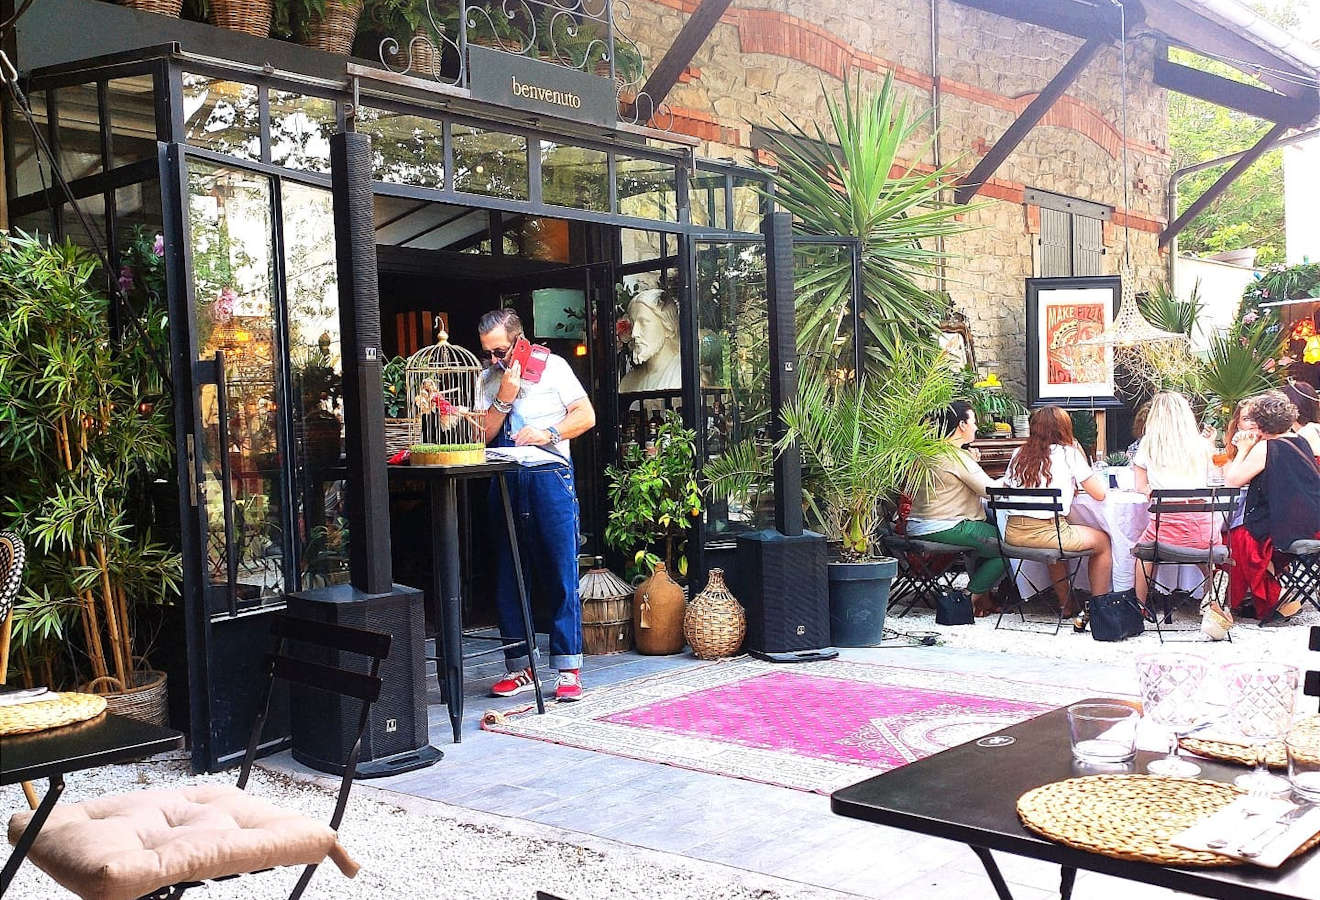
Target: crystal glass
1261	698
1171	685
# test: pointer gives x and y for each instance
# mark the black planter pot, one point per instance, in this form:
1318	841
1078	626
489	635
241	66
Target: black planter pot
859	595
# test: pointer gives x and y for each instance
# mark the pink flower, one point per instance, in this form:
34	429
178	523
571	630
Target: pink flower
623	330
222	309
1268	365
1286	361
158	247
125	279
1252	317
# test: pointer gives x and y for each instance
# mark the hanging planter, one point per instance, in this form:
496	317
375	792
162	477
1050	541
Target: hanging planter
244	16
170	8
334	28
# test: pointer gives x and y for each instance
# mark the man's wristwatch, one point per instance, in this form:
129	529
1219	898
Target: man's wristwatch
555	436
502	407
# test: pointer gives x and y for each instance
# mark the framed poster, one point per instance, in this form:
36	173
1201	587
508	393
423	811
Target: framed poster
1062	313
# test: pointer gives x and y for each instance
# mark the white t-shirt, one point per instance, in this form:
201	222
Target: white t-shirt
1068	469
1159	480
539	405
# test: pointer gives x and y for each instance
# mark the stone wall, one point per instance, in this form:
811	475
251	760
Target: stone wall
767	60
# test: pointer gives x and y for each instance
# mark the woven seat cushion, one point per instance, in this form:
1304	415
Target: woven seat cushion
123	846
1145	551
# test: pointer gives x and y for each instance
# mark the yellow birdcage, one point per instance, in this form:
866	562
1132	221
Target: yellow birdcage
444	429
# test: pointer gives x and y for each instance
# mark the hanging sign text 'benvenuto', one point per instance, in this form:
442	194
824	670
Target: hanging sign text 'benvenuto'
529	84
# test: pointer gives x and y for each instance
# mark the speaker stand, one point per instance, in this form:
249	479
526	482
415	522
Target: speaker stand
407	761
799	657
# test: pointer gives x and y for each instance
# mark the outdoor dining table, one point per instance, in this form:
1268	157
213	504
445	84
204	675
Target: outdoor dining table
55	752
1123	515
969	793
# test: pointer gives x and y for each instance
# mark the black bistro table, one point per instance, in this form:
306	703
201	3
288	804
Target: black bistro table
969	793
53	753
444	485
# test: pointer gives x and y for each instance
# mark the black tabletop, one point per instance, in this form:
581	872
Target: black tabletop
969	793
472	470
85	745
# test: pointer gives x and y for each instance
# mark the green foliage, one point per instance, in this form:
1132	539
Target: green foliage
837	181
443	448
1118	458
1085	429
991	402
1281	283
394	386
1240	364
84	433
654	497
863	446
1166	312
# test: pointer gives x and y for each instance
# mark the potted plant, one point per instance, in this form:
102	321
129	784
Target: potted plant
246	16
862	446
170	8
394	390
991	403
418	39
85	425
329	25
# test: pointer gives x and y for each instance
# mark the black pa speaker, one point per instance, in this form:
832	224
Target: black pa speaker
783	586
324	724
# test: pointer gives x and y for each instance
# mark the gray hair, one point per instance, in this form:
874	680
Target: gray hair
501	318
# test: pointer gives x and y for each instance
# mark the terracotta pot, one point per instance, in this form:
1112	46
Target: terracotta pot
658	608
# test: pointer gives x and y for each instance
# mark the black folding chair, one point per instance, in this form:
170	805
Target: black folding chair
1215	503
1311	681
1012	501
1300	577
925	570
330	640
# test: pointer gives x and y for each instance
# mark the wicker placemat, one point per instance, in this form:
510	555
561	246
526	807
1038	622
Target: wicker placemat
1245	754
1132	817
59	709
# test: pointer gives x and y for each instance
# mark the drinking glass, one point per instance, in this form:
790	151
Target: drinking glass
1171	697
1103	733
1304	764
1261	698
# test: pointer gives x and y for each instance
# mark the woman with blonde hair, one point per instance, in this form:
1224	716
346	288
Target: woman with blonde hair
1174	455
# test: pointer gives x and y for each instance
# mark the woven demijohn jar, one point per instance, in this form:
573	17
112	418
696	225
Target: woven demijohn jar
715	623
607	622
658	607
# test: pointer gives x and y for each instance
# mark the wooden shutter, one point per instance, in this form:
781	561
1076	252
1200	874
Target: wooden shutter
1088	246
1055	243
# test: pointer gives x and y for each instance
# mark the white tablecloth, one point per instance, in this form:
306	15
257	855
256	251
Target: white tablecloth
1123	515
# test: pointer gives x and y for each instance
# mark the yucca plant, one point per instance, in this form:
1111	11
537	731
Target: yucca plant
866	445
837	180
1161	308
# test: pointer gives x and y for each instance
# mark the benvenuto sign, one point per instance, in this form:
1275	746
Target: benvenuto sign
535	86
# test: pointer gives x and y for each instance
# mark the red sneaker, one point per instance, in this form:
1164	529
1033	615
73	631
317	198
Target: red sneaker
513	683
569	686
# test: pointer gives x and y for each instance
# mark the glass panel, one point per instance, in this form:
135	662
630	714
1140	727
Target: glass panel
646	188
235	312
139	233
734	341
490	162
300	129
823	288
575	176
746	204
132	110
404	149
28	178
79	130
318	414
221	116
636	245
706	197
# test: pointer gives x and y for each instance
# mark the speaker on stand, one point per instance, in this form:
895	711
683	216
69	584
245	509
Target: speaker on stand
322	724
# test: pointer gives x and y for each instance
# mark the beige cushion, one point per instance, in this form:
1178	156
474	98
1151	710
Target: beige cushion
123	846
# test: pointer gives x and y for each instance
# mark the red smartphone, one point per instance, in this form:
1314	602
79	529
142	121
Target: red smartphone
521	350
535	364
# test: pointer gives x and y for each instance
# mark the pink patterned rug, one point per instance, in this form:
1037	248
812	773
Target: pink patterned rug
814	727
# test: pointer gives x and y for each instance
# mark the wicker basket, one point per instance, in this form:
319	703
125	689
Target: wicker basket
335	31
245	16
396	436
418	54
607	625
715	623
169	8
145	701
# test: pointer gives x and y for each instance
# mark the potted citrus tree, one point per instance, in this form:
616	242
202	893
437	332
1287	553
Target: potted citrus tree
862	446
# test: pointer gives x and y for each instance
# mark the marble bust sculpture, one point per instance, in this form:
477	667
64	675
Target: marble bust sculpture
655	350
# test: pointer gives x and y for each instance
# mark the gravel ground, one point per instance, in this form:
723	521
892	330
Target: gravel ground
434	850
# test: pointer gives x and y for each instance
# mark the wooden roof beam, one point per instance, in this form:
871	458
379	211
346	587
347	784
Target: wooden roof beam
1244	98
1085	19
679	55
1035	111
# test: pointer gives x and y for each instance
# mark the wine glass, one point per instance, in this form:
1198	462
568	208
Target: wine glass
1171	696
1261	698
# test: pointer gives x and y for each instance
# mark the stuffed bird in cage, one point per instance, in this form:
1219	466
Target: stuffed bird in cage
442	382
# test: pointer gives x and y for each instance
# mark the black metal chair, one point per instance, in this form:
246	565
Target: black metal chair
925	570
1011	501
1311	681
1301	578
234	805
1214	503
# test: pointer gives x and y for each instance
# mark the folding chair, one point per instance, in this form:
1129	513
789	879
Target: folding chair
1010	501
925	570
1215	503
1301	577
1311	682
158	844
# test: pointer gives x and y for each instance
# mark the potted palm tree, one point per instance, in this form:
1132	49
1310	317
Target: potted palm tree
862	446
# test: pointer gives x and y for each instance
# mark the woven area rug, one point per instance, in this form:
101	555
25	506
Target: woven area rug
814	727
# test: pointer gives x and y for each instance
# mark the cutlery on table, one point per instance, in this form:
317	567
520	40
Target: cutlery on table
1255	845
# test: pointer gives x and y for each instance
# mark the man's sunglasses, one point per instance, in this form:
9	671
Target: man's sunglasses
498	353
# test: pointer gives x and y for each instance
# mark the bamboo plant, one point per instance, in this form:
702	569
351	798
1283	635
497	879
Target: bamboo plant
84	432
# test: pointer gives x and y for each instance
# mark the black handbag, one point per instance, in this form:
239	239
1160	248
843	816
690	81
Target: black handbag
954	607
1115	616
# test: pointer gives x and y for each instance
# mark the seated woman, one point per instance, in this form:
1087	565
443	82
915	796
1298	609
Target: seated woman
1282	504
949	511
1174	455
1304	397
1051	458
